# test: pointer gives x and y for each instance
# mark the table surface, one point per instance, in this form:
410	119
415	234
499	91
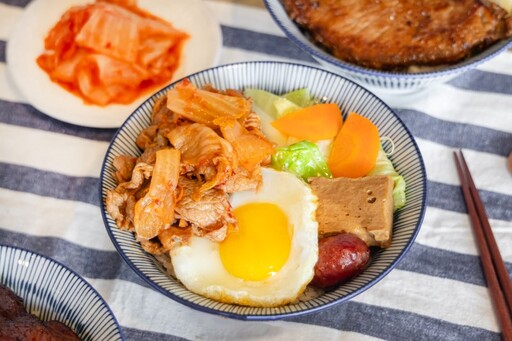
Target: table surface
49	201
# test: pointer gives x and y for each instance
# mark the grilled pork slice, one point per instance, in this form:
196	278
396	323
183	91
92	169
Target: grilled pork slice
17	324
362	206
209	212
396	34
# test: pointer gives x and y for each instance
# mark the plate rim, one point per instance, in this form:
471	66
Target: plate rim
277	316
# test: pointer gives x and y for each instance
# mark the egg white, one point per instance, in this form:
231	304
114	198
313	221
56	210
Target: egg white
197	264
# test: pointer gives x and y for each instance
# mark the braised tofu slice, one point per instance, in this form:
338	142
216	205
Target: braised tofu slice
362	206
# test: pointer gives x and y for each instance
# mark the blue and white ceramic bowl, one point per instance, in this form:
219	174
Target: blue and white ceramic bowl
51	291
381	82
279	78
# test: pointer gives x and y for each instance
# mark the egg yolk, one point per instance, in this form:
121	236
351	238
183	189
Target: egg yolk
261	245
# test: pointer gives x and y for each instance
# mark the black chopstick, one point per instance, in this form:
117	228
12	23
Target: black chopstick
499	264
489	252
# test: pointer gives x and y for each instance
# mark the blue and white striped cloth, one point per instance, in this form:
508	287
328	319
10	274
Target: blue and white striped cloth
49	203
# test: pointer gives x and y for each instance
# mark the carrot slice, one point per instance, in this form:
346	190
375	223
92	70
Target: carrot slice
355	148
317	122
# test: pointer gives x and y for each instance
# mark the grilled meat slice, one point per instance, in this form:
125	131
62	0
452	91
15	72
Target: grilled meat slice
210	212
396	34
11	305
17	324
60	331
120	202
124	165
242	180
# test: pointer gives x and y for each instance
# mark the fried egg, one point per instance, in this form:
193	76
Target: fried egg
269	259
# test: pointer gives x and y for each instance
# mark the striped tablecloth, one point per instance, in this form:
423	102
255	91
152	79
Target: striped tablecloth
49	204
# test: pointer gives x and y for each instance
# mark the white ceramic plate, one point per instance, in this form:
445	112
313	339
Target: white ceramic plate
201	51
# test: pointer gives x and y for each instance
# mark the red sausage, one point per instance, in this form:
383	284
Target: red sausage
340	257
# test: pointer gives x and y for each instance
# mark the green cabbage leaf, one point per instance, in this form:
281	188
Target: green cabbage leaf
303	159
383	166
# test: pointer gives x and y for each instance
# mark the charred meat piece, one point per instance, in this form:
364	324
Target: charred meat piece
11	305
396	34
17	324
60	331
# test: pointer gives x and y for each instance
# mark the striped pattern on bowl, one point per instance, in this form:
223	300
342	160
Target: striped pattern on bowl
280	77
51	291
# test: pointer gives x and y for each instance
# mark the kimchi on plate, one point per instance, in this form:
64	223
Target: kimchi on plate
111	52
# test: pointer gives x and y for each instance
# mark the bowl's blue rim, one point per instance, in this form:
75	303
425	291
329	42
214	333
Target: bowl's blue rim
273	316
317	52
77	275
